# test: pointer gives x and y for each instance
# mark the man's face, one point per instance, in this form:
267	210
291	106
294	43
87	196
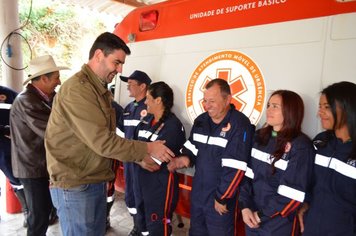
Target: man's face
215	104
135	89
111	64
51	82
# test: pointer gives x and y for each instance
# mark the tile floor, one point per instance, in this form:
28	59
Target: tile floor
121	222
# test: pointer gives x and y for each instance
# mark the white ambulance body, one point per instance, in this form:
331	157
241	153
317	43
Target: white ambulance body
299	45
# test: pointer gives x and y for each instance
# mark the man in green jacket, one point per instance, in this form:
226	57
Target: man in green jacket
29	116
81	141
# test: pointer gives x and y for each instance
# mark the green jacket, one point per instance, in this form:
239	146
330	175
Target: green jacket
80	137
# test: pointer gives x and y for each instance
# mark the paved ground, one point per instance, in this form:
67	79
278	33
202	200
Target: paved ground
121	222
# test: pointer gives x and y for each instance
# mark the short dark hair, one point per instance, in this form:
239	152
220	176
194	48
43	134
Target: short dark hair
108	42
47	75
223	85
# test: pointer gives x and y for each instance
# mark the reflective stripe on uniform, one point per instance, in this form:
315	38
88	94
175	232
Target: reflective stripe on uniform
191	147
120	133
265	157
322	160
249	173
132	211
343	168
131	122
335	164
144	133
240	165
200	138
154	137
218	141
110	199
5	106
291	193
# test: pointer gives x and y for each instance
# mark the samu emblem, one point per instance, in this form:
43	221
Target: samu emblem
243	75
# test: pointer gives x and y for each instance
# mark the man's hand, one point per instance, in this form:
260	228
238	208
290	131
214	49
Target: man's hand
178	163
300	215
250	219
149	164
220	208
158	150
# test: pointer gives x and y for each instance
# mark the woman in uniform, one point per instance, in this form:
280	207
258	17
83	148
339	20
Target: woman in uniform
331	205
159	189
279	170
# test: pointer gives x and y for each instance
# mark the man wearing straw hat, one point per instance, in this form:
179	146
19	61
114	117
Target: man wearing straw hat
28	121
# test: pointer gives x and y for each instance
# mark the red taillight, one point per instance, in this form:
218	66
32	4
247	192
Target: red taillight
148	20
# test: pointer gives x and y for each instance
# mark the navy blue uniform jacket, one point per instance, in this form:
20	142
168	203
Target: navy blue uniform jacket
132	116
219	153
277	194
333	198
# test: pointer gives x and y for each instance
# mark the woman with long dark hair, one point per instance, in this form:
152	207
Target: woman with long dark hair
279	170
331	206
159	189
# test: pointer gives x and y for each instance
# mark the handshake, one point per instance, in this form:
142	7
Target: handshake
4	130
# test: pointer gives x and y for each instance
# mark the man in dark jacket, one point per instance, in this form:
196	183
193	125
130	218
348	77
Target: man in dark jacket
28	121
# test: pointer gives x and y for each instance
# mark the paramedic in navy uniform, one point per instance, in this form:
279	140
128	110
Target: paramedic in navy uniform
279	171
137	84
219	146
332	202
159	189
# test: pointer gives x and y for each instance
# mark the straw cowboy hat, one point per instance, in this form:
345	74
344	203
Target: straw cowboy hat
42	65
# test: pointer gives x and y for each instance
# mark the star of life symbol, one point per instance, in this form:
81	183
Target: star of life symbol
242	74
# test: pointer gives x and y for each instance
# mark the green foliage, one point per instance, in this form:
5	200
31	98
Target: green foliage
54	28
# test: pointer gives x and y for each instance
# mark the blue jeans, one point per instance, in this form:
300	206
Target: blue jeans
81	210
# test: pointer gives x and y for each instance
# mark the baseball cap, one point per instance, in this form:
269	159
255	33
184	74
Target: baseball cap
139	76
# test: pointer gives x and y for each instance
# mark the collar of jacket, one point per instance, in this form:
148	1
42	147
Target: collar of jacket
138	103
31	88
94	79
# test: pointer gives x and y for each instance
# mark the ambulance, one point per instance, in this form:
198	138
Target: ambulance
258	46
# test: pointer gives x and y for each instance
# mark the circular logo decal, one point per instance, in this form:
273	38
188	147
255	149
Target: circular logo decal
243	75
143	113
2	98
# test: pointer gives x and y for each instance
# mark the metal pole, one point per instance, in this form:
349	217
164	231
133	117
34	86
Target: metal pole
9	21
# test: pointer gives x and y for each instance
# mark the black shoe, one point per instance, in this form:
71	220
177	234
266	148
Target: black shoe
53	216
135	232
21	197
108	226
25	215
